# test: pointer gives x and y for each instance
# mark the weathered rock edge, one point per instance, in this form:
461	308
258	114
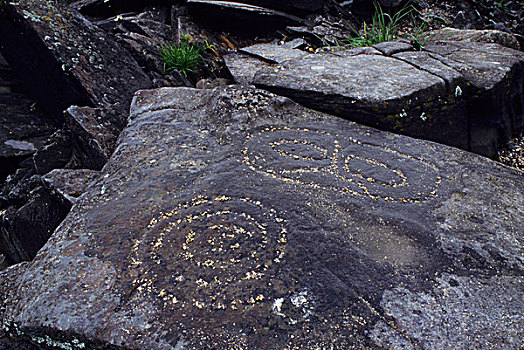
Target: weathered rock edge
467	95
65	60
236	218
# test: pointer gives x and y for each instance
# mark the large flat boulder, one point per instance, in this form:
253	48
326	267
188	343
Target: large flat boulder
64	59
468	95
235	218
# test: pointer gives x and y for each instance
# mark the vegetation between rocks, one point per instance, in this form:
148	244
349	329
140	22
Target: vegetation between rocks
183	56
384	27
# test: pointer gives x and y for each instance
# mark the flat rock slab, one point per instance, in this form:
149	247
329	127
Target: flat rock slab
64	59
471	35
468	95
235	218
241	17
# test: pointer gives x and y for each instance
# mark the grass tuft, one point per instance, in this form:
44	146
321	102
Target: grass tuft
183	56
384	27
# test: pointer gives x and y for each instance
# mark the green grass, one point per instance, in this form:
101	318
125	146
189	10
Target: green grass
384	27
183	56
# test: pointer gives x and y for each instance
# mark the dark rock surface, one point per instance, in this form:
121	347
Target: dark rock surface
64	59
471	35
233	218
494	93
468	95
236	16
506	16
299	7
71	183
102	8
35	211
96	131
24	128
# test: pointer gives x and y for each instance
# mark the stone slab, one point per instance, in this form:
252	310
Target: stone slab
235	218
467	95
64	59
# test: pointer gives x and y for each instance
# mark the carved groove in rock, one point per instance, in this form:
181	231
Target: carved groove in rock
323	160
218	247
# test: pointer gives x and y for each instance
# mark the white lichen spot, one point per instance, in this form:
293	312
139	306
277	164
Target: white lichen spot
458	91
300	299
277	306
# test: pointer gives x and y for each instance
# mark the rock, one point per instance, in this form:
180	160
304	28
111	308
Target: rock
142	35
467	95
64	59
71	183
273	53
367	88
299	7
103	8
240	17
494	93
391	48
3	262
366	8
212	83
479	36
247	220
23	126
295	7
34	212
57	152
96	131
324	31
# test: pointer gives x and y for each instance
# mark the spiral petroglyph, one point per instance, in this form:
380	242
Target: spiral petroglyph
324	160
216	247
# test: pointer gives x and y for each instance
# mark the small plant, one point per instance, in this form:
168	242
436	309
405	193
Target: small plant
183	56
328	45
384	27
419	37
503	6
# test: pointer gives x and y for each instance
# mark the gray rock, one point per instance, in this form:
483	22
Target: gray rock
494	93
96	131
247	220
367	88
3	262
64	59
273	53
57	152
71	183
241	17
471	35
296	7
393	47
23	126
468	95
34	211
